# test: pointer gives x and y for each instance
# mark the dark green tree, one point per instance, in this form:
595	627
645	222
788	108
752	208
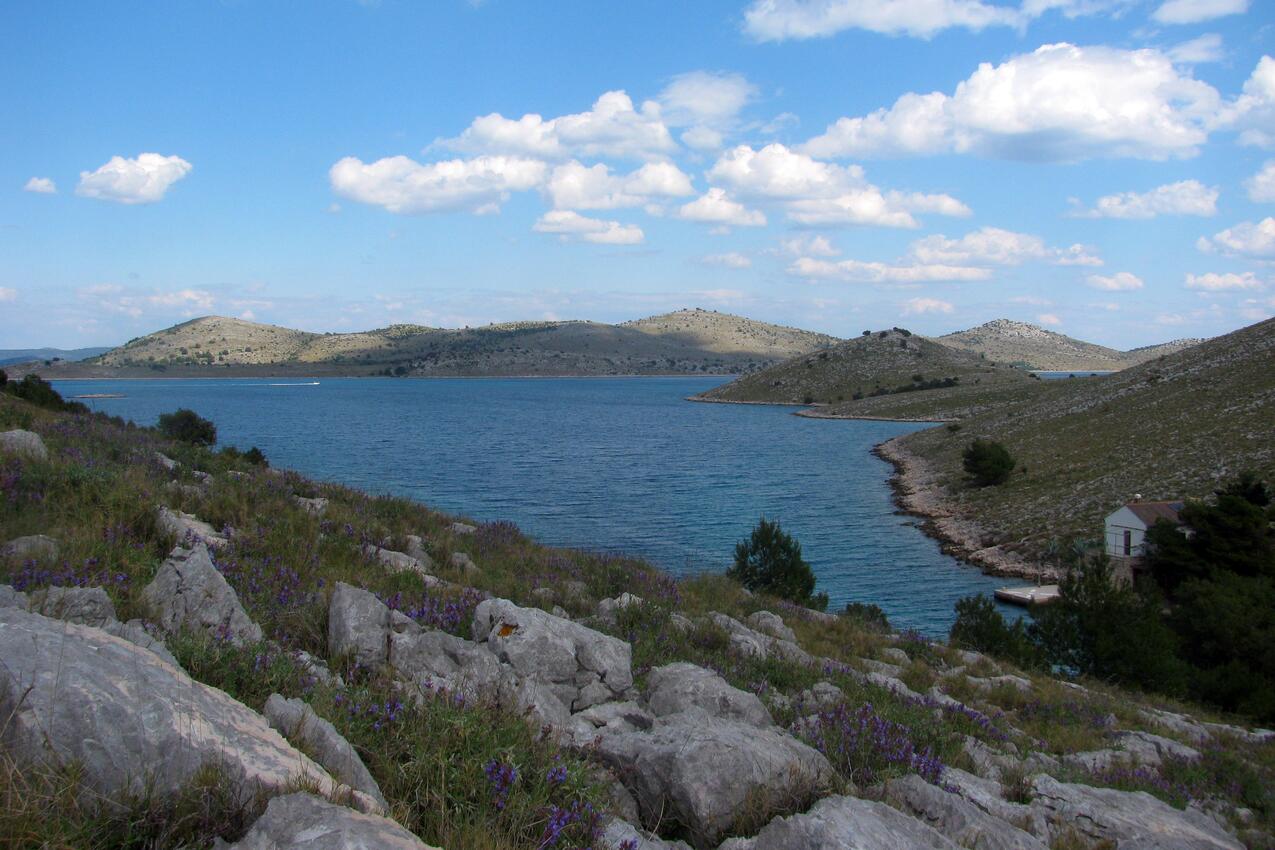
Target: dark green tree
988	463
188	426
980	627
256	457
770	561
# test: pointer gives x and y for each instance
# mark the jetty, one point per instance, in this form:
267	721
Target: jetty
1041	594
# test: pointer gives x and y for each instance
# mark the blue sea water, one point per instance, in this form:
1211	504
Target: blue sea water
620	464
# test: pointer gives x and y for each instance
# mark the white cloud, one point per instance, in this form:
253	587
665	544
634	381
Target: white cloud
1186	197
920	306
1118	282
1194	11
1059	103
613	127
779	20
1170	319
869	206
1245	239
998	247
1253	112
1213	282
1049	319
576	186
731	260
142	180
1032	300
8	293
114	298
1076	255
706	103
1198	51
716	207
41	186
808	246
402	185
571	224
1261	186
861	272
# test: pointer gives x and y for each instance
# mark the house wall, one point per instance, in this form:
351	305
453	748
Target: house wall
1117	524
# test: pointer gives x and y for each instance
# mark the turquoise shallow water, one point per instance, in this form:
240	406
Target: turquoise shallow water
620	464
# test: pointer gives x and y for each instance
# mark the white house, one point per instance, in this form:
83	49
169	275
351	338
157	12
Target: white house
1127	528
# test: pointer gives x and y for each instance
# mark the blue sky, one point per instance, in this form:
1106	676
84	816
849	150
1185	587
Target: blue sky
1105	168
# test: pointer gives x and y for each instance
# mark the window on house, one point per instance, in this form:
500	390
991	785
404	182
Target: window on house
1128	543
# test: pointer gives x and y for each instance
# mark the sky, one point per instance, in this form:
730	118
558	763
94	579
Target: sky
1103	168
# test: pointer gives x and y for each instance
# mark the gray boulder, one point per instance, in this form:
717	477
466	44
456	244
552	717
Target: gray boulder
707	773
895	656
955	817
988	796
465	564
1127	819
134	631
305	822
88	606
314	507
297	722
399	562
130	721
10	598
189	592
35	547
435	659
165	461
820	697
607	608
1018	683
607	719
622	835
462	528
418	549
358	623
848	823
184	528
25	444
770	624
677	687
754	644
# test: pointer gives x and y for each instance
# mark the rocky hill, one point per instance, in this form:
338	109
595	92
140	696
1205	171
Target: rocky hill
684	342
893	362
26	355
1032	347
244	655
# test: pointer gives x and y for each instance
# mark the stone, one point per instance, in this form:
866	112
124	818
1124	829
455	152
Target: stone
988	795
189	491
435	659
770	624
871	665
465	564
462	528
955	817
10	598
607	608
298	722
134	631
165	461
587	726
418	549
894	686
1018	683
317	669
820	696
848	823
706	773
187	528
679	686
24	444
1125	818
622	835
88	606
132	722
398	562
305	822
315	506
743	640
189	592
894	655
34	547
358	624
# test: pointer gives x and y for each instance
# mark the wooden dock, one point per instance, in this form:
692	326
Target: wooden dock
1038	595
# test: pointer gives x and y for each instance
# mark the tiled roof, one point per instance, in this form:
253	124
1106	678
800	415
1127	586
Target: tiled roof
1149	512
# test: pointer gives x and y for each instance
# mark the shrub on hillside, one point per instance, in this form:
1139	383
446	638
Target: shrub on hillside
4	379
982	628
988	463
40	392
770	561
868	614
188	426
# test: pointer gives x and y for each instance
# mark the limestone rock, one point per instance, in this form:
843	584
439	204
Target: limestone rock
956	818
10	598
987	795
677	687
187	528
88	606
35	547
752	643
131	721
134	631
894	686
314	507
297	722
894	655
358	622
462	528
607	608
465	564
848	823
1018	683
189	592
305	822
399	562
434	659
770	624
165	461
820	696
622	835
24	444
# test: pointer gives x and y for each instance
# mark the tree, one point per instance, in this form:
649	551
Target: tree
770	561
188	426
980	627
256	457
988	463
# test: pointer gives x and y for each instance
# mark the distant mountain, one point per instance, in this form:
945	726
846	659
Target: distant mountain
683	342
1032	347
26	355
874	364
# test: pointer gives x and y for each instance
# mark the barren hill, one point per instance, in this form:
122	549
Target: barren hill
1023	344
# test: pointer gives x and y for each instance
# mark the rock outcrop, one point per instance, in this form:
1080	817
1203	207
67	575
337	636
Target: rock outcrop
676	687
957	818
189	592
188	528
23	444
306	822
88	606
847	823
34	547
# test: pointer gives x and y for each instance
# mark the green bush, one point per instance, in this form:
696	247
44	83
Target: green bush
188	426
868	614
40	392
770	561
988	463
256	457
980	627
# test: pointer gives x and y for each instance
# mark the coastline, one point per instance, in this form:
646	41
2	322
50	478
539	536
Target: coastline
703	400
918	493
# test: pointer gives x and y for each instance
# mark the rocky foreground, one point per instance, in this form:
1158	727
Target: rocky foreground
678	714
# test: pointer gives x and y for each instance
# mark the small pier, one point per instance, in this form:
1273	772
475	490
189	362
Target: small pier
1027	596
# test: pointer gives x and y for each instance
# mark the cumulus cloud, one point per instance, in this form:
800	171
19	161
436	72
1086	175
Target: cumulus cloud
730	260
1253	112
1186	197
113	298
613	127
781	20
572	225
1194	11
1049	319
402	185
41	186
1118	282
716	207
141	180
995	246
706	103
576	186
1060	103
921	306
1197	51
1245	239
8	293
1261	186
1213	282
808	246
855	271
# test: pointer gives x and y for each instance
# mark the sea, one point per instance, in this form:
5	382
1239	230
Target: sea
611	464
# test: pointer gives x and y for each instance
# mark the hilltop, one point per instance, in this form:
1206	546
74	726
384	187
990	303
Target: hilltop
26	355
872	365
1032	347
683	342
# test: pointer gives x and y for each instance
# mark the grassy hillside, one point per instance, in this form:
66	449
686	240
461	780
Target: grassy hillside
1032	347
877	363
